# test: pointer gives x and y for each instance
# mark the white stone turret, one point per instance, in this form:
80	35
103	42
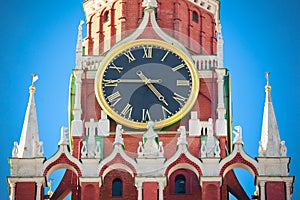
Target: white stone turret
29	146
270	143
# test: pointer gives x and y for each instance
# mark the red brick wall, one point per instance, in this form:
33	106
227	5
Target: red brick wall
174	16
193	189
129	190
25	190
90	191
150	190
211	190
275	190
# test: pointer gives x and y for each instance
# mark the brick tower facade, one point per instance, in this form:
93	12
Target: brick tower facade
108	158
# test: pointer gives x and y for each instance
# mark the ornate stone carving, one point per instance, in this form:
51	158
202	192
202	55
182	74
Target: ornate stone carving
260	149
283	149
118	136
238	135
40	149
97	150
63	136
182	137
15	150
149	147
84	150
149	4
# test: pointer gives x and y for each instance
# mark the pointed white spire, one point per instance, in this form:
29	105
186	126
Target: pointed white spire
220	46
79	46
30	146
270	144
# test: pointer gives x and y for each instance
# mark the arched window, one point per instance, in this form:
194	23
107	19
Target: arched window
106	16
180	184
117	187
195	16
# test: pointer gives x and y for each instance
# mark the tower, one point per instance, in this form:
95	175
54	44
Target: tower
168	57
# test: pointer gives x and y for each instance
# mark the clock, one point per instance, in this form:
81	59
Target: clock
146	80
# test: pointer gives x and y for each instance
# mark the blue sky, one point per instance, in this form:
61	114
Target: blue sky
40	37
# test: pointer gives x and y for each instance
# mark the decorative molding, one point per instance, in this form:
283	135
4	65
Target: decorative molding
118	159
238	159
62	159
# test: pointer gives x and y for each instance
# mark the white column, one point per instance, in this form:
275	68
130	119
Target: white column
288	190
161	187
77	126
140	190
12	191
262	190
78	75
38	190
221	123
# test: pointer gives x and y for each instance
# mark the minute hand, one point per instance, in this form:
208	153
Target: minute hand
112	81
148	82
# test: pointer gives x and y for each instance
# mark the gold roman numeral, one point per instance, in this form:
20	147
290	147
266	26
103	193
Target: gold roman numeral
145	115
127	111
166	112
147	52
163	59
113	66
110	83
178	67
130	56
182	83
114	98
180	99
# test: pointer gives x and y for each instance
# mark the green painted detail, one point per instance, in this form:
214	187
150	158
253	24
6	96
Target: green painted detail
156	140
204	138
227	101
97	139
71	105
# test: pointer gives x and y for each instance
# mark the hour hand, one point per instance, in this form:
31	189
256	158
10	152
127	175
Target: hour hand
148	82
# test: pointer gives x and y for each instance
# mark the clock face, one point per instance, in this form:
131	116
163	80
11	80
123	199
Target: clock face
146	80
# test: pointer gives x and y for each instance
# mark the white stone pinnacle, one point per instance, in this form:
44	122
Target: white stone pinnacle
29	145
270	138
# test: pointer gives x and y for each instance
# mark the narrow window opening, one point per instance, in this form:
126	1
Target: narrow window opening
180	184
117	187
195	16
106	16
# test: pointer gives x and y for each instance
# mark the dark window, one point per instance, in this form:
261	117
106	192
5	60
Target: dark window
195	16
180	184
106	16
117	188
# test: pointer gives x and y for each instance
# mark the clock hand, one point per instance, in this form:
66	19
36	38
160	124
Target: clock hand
111	81
148	82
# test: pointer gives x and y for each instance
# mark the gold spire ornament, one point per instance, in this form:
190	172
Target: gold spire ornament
34	79
50	192
268	87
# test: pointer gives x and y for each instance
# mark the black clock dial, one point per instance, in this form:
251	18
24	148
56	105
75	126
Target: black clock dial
146	82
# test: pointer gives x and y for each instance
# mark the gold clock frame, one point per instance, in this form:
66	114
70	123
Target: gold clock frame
141	125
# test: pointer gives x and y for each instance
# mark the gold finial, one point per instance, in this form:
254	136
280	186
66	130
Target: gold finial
34	79
268	87
50	192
